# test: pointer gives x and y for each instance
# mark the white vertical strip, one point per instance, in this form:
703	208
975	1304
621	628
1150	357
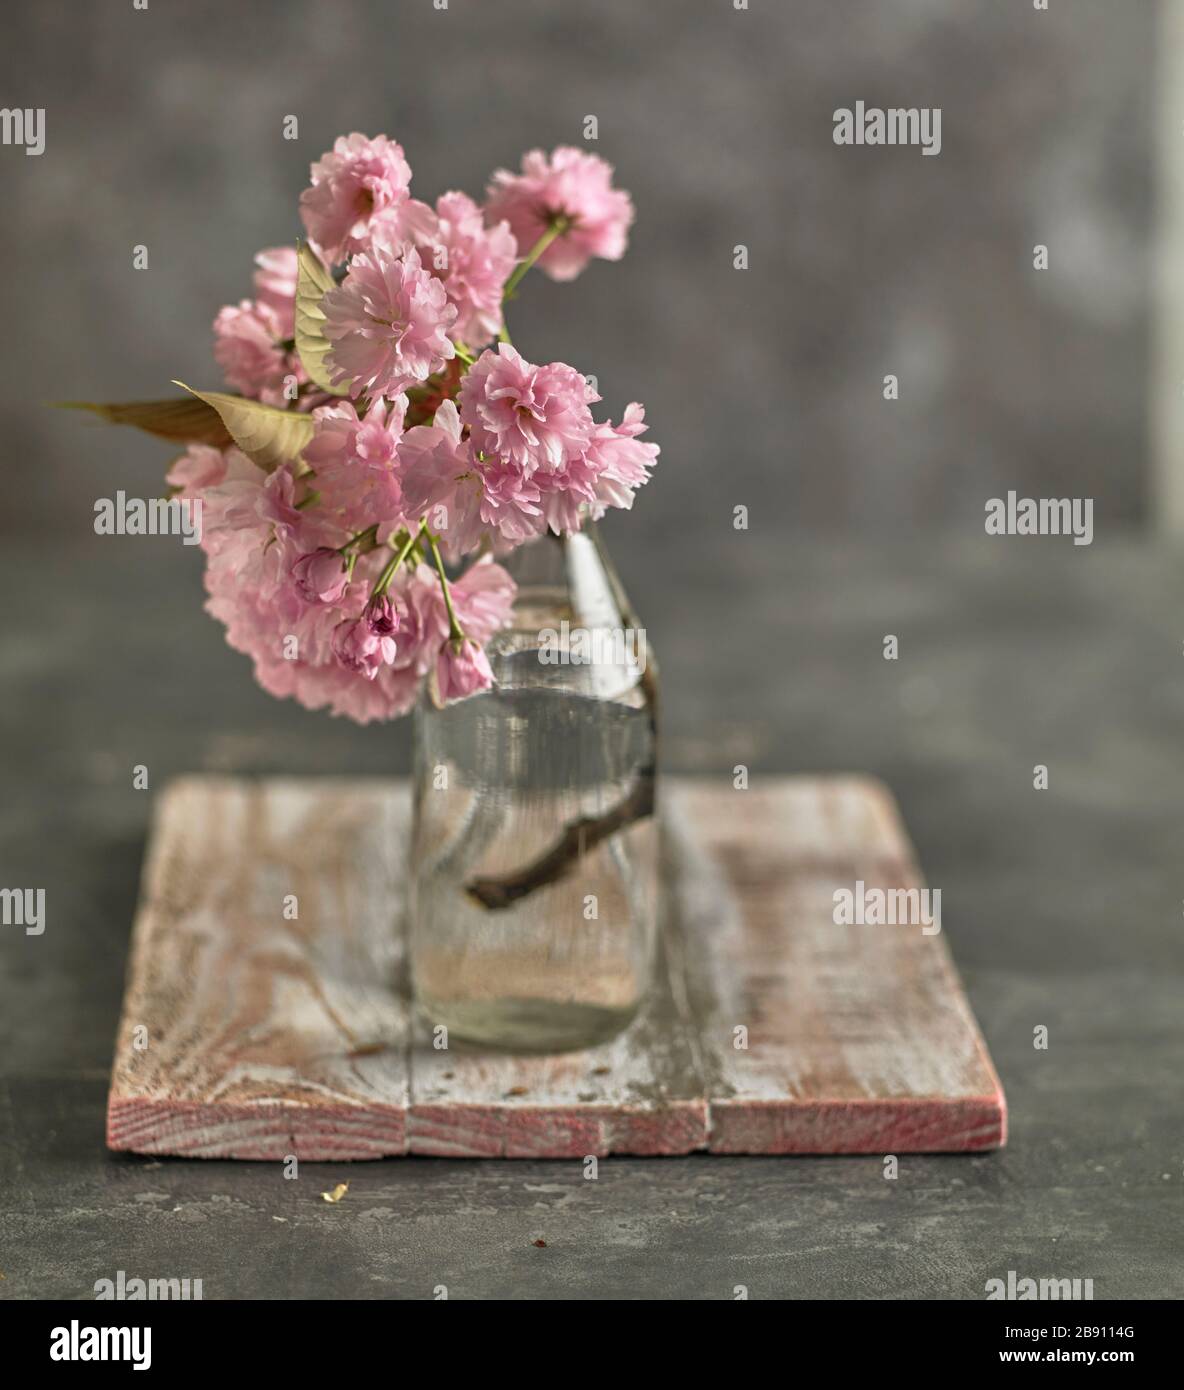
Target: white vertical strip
1167	278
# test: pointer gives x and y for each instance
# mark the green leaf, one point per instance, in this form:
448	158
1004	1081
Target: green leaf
312	280
266	435
185	419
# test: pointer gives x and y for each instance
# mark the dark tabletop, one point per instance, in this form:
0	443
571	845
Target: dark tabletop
1062	907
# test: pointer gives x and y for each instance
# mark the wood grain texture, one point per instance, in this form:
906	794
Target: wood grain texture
268	1037
859	1037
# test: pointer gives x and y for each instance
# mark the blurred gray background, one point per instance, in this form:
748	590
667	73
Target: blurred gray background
763	386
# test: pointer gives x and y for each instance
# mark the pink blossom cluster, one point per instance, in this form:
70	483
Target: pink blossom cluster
434	441
516	453
277	578
251	338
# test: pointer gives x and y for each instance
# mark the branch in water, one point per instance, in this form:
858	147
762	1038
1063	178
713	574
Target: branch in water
501	891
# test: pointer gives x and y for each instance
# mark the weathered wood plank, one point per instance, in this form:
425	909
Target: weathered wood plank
267	1036
859	1037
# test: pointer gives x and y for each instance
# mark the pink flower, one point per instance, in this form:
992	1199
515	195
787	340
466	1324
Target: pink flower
361	650
277	504
201	466
483	598
620	461
291	642
516	452
256	530
440	481
509	501
462	669
255	502
615	464
275	285
227	499
423	620
388	322
389	695
340	654
356	180
356	462
568	494
247	346
474	263
381	616
409	223
320	576
570	184
535	417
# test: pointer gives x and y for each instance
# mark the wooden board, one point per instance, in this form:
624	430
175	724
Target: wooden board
265	1012
859	1038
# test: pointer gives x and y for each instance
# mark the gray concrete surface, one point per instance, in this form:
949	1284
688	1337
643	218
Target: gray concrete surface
1062	908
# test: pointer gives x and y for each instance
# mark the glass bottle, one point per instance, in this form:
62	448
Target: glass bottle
534	848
